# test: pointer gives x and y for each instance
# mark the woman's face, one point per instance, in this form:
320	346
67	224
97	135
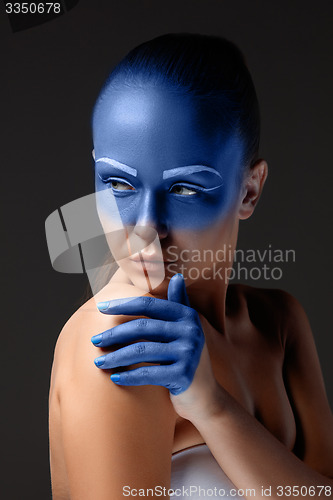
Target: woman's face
173	186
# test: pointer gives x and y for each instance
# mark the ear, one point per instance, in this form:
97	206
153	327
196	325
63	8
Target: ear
93	154
252	187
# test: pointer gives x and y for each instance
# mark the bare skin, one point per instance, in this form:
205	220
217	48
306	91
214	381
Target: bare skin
95	446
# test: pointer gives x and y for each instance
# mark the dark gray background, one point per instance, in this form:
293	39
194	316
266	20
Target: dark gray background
50	76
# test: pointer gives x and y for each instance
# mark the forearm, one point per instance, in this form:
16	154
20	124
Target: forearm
252	457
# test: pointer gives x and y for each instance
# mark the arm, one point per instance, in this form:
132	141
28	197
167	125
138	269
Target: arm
253	457
112	436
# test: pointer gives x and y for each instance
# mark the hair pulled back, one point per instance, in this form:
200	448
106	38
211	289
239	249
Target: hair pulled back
209	69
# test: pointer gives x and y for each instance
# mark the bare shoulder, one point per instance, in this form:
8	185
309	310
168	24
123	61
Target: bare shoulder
273	298
93	422
74	355
270	309
73	344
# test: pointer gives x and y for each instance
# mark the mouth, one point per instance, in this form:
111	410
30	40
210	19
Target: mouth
151	264
143	259
149	258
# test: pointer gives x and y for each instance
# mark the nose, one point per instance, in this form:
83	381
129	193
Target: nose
151	216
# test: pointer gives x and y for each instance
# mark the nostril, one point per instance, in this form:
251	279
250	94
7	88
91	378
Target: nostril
141	237
147	231
151	231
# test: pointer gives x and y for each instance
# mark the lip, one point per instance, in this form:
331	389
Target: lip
139	257
151	262
143	258
146	261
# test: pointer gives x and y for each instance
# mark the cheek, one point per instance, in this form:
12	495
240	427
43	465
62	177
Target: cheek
115	213
209	240
111	221
108	212
202	256
201	212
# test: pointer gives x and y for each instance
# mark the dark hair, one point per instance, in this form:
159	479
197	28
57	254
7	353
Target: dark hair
210	69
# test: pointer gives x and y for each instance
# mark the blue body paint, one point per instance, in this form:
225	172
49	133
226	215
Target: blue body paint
173	337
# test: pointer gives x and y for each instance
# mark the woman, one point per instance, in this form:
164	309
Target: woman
228	392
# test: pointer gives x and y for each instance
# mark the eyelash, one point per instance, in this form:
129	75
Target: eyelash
196	189
110	180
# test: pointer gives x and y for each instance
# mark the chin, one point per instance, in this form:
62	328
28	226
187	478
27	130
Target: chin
161	291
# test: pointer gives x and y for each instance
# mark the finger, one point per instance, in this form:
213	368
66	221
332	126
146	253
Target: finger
165	376
142	328
177	290
144	306
141	352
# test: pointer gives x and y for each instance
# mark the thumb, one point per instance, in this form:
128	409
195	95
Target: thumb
177	290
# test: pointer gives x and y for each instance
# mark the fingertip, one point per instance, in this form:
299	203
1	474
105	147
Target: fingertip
177	289
103	306
99	361
97	339
115	377
178	275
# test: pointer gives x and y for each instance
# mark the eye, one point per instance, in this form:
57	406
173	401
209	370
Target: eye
120	186
183	190
117	185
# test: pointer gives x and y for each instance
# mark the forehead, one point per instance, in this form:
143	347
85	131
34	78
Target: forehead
147	126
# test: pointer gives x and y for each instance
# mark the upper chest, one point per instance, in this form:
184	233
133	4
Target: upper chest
248	363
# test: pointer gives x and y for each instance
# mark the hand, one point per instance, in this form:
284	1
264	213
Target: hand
174	334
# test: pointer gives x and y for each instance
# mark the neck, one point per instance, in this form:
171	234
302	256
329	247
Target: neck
210	301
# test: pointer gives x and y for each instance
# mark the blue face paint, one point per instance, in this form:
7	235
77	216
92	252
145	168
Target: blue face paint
188	170
155	160
120	166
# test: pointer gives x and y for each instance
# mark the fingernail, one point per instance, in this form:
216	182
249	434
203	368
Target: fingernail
99	361
103	305
178	275
115	377
96	339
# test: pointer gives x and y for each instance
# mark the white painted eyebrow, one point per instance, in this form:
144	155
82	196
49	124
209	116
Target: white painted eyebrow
167	174
189	169
120	166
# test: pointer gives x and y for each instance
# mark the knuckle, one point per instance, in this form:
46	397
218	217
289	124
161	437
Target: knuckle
192	330
183	349
106	336
197	333
187	329
142	324
187	348
144	372
140	348
187	374
188	356
147	301
109	359
192	314
181	368
178	370
190	353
